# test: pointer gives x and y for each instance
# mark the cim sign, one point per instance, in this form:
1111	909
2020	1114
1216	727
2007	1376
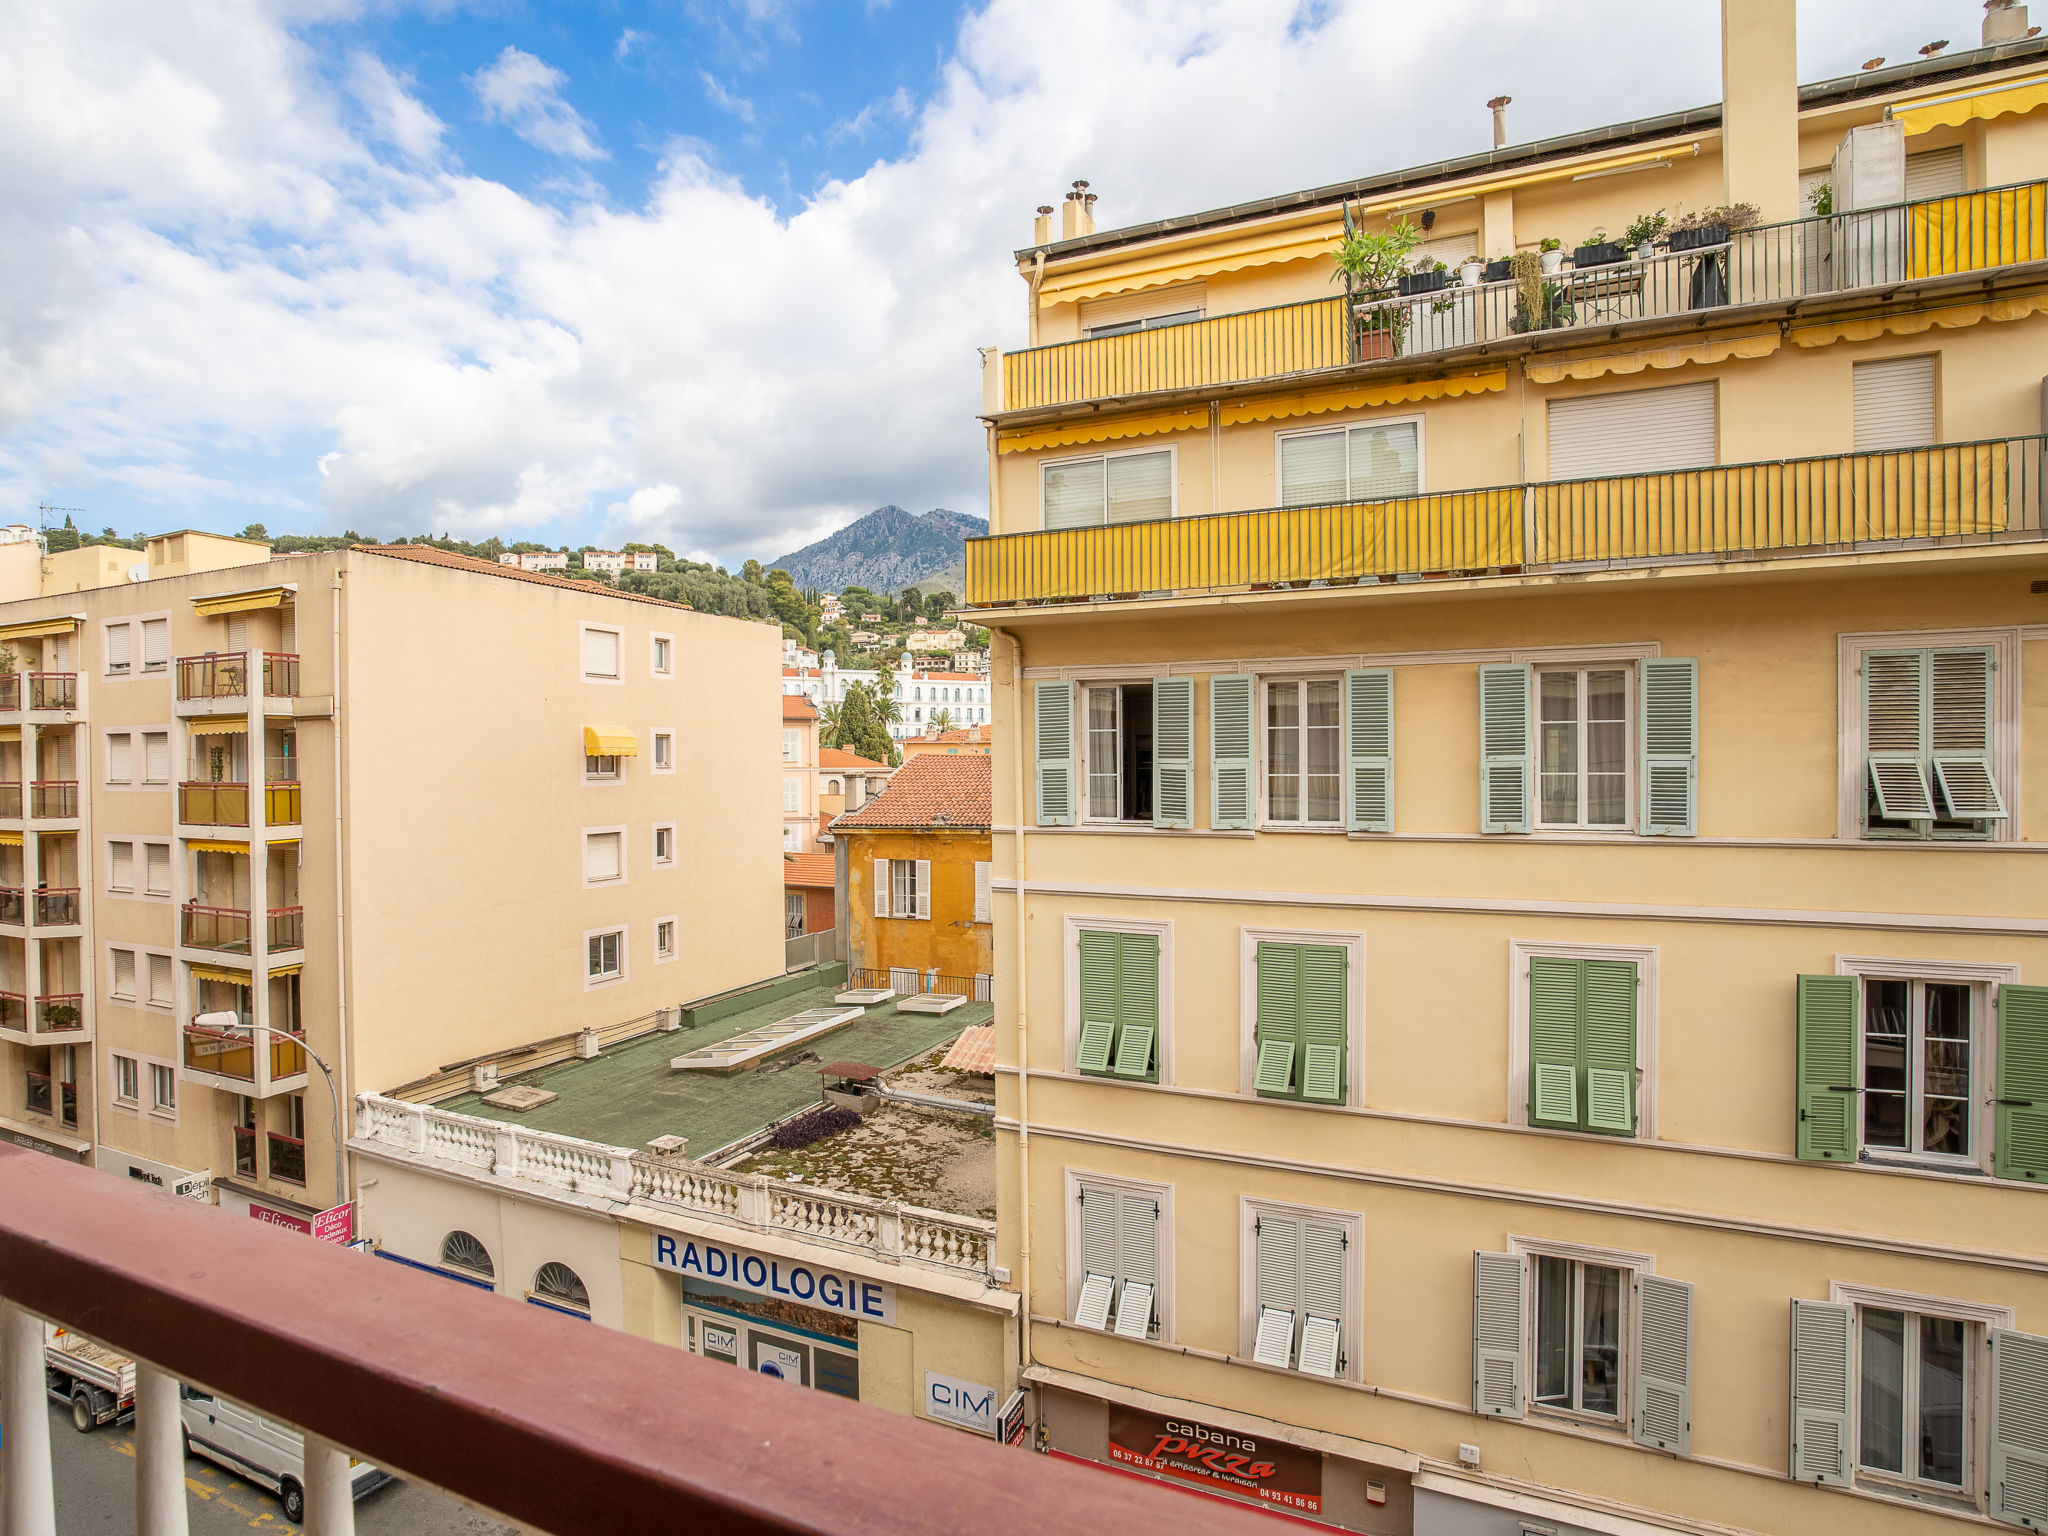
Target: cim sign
785	1279
968	1404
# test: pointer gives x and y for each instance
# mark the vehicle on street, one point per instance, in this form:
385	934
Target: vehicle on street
266	1453
97	1383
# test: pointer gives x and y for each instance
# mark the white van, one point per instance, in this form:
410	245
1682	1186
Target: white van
265	1452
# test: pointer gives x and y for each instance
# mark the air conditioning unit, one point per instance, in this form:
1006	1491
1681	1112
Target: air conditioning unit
586	1045
668	1020
483	1077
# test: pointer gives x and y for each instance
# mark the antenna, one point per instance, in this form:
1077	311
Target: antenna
44	509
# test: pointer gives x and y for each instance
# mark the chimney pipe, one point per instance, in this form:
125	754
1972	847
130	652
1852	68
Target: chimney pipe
1041	228
2005	21
1088	214
1070	216
1500	120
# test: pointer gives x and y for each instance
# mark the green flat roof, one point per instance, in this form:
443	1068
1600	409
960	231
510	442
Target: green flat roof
628	1096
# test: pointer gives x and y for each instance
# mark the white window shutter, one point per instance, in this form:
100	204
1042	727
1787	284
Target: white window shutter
1230	751
121	866
1173	752
882	888
984	893
157	866
1097	1291
1369	749
1497	1354
1663	1365
119	761
1935	173
1098	1256
1053	728
1505	772
1895	733
1313	469
1137	1248
156	768
923	893
1273	1343
2019	1428
156	642
1323	1248
1894	404
1961	724
1820	1391
600	653
601	856
1671	725
1276	1257
1134	1310
1633	432
120	647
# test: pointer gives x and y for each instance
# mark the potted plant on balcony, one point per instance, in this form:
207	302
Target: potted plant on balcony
1709	231
1426	277
1498	270
1470	271
60	1016
1551	250
1538	305
1370	264
1596	250
1641	235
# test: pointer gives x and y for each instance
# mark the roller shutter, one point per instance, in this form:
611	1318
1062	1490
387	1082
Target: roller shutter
1633	432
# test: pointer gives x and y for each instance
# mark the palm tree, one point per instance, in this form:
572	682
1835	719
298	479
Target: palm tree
828	724
942	720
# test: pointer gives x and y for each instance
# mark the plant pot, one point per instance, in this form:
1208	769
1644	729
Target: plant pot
1469	274
1373	345
1498	271
1695	239
1647	251
1553	262
1423	282
1605	254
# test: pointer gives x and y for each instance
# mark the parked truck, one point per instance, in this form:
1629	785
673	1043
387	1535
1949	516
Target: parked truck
97	1383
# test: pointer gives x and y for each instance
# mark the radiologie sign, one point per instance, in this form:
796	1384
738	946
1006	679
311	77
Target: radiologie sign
786	1279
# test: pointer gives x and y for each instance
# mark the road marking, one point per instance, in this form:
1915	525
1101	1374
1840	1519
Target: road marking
227	1503
262	1519
199	1488
124	1447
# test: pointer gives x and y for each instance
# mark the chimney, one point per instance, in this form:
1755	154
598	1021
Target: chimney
2005	21
1041	229
1760	107
1500	120
1933	49
1070	216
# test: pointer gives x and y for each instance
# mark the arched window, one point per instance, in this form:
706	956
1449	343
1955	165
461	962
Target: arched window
561	1286
832	788
461	1251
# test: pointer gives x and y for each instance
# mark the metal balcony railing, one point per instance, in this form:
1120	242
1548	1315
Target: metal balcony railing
1688	273
53	799
281	804
225	929
13	909
280	674
287	1158
55	908
216	675
10	801
53	690
463	1391
202	804
60	1013
13	1010
1855	501
287	928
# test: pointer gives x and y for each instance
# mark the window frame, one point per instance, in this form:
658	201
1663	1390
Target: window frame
1353	942
1632	1265
1171	450
654	853
1162	1295
618	634
144	781
1162	930
1261	752
145	893
1082	758
656	667
1631	703
592	981
116	1060
1421	424
598	776
143	666
661	742
583	843
110	844
135	974
675	947
1644	958
107	779
161	1073
1351	1324
148	997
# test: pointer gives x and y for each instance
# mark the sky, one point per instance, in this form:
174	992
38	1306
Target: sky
705	272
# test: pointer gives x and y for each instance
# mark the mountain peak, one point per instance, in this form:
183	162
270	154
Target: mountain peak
887	550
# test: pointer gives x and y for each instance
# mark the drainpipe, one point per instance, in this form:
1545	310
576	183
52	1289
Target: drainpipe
1037	277
1023	1005
342	1059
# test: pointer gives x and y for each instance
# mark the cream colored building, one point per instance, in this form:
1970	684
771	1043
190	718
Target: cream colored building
401	806
28	569
800	788
1523	981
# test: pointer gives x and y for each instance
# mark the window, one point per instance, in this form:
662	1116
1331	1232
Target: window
157	868
1300	1285
156	644
122	984
606	767
1894	404
160	981
903	888
127	1080
1114	1269
1109	488
1121	313
601	655
663	663
459	1250
1578	1337
1930	747
156	757
664	751
1117	992
1374	462
120	649
665	843
1581	1037
1300	1035
1912	1393
119	764
602	859
792	796
1935	173
121	867
665	939
1304	786
163	1089
791	745
558	1285
792	837
607	956
792	914
1582	748
1117	747
1916	1066
1560	749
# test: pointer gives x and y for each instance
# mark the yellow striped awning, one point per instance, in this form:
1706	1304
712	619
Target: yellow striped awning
1714	350
1100	429
1911	322
1314	402
10	839
238	602
215	973
1954	111
10	733
609	741
1130	275
215	845
35	629
282	842
219	725
284	970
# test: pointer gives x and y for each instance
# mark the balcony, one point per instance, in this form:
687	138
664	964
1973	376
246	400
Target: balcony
13	910
287	929
231	1053
463	1391
216	675
1962	492
280	675
10	802
53	690
14	1012
60	1013
54	908
281	803
224	929
213	805
287	1158
1877	248
10	690
53	799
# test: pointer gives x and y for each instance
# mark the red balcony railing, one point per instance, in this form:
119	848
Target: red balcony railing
12	908
53	690
10	690
54	908
220	928
10	801
287	928
464	1391
214	676
280	675
53	799
202	804
60	1013
287	1158
13	1010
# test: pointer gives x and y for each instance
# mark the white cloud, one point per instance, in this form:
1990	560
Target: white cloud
897	107
725	100
525	94
629	39
205	268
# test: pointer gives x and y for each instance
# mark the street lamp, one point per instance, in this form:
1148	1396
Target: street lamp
228	1023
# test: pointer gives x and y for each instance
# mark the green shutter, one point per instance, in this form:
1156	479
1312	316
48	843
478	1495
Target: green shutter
1554	1041
1279	1019
1827	1068
1607	1044
1053	732
1671	726
1134	1051
1276	1068
2022	1139
1505	788
1173	751
1096	1040
1098	966
1230	751
1369	748
1322	1018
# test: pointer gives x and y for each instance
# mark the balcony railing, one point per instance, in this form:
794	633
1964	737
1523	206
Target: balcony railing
281	804
53	799
13	1010
232	1053
1857	501
216	675
202	804
280	675
1878	247
60	1013
219	928
462	1391
287	1158
55	908
287	928
10	690
53	690
13	909
10	801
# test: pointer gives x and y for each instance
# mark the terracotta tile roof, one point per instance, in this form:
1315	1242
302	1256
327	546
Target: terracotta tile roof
974	1051
927	788
426	554
811	871
972	735
796	707
839	757
953	677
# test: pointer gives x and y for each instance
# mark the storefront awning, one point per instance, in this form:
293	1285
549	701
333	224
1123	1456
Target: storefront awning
1954	111
239	602
609	741
35	629
222	725
1100	430
215	973
1314	402
216	845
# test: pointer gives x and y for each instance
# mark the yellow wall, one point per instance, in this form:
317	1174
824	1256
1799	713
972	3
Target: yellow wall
951	940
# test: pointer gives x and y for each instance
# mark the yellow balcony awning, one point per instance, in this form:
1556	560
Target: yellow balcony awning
284	970
1954	111
1911	322
1223	256
216	973
1716	350
282	842
221	725
1100	430
216	845
35	629
1314	402
10	733
609	741
238	602
10	839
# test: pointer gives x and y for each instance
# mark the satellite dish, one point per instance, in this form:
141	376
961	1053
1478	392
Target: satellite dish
138	571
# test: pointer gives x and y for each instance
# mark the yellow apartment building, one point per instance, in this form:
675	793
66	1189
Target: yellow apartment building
1519	811
386	809
29	569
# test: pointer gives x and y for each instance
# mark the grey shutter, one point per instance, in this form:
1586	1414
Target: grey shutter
1230	751
1634	432
1369	748
1138	487
2019	1429
1073	495
1820	1392
1137	1246
1323	1247
1504	758
1497	1355
1053	728
1962	710
1125	309
1935	173
1895	733
1276	1258
984	891
1098	1255
1173	752
1894	404
1671	727
1663	1365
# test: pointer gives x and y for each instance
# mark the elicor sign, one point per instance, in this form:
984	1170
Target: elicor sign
968	1404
